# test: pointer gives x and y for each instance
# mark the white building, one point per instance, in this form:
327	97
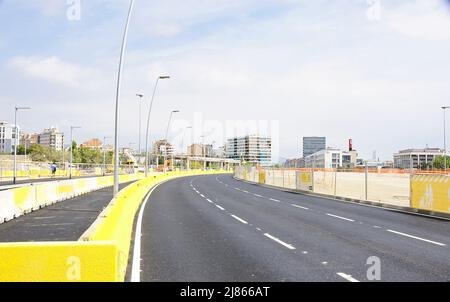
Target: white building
416	158
252	148
52	138
331	159
7	137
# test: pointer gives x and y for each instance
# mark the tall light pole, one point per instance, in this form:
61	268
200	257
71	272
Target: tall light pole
182	144
71	149
444	108
165	139
140	105
182	140
116	122
104	154
203	152
16	134
148	121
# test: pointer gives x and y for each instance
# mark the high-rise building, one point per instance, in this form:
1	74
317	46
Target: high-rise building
252	148
52	138
7	137
313	144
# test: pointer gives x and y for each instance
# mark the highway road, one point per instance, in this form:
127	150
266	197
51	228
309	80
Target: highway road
215	228
63	221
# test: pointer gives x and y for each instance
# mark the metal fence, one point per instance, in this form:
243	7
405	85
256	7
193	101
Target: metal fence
374	185
33	170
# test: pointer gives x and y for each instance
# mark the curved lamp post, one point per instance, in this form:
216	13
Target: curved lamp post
148	122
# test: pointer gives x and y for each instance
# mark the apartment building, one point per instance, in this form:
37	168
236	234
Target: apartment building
7	137
332	159
52	138
252	148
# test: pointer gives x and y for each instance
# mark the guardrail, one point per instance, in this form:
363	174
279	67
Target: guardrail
424	193
102	252
19	201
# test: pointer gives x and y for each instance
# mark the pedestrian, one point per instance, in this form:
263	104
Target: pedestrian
53	168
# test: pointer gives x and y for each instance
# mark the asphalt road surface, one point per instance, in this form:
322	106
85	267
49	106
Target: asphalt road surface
215	228
63	221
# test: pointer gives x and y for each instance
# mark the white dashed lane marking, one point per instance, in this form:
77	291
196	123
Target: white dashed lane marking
291	247
300	207
347	277
415	237
239	219
340	217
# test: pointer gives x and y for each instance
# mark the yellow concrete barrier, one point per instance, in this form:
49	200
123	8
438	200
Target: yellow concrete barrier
58	262
431	192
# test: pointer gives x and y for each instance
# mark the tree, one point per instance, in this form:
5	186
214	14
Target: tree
439	162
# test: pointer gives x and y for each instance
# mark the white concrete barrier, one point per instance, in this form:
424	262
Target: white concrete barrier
19	201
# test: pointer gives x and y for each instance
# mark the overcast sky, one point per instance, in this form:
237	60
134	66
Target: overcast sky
373	71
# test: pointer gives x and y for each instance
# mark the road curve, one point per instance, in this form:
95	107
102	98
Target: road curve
215	228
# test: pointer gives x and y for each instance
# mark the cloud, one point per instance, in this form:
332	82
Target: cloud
422	19
51	69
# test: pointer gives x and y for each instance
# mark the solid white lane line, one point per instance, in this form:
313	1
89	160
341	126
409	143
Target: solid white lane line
340	217
415	237
347	277
136	265
291	247
202	195
276	200
239	219
300	207
222	209
209	200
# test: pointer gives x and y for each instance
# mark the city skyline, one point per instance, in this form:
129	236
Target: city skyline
346	73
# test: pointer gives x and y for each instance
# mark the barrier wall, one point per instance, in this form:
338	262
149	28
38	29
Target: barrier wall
431	193
58	262
19	201
102	252
393	189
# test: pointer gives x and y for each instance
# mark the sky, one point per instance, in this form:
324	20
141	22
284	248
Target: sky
376	71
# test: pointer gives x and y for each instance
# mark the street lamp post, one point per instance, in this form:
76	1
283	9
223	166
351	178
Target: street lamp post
16	134
104	154
444	108
182	142
165	139
148	122
140	105
203	152
116	122
71	149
